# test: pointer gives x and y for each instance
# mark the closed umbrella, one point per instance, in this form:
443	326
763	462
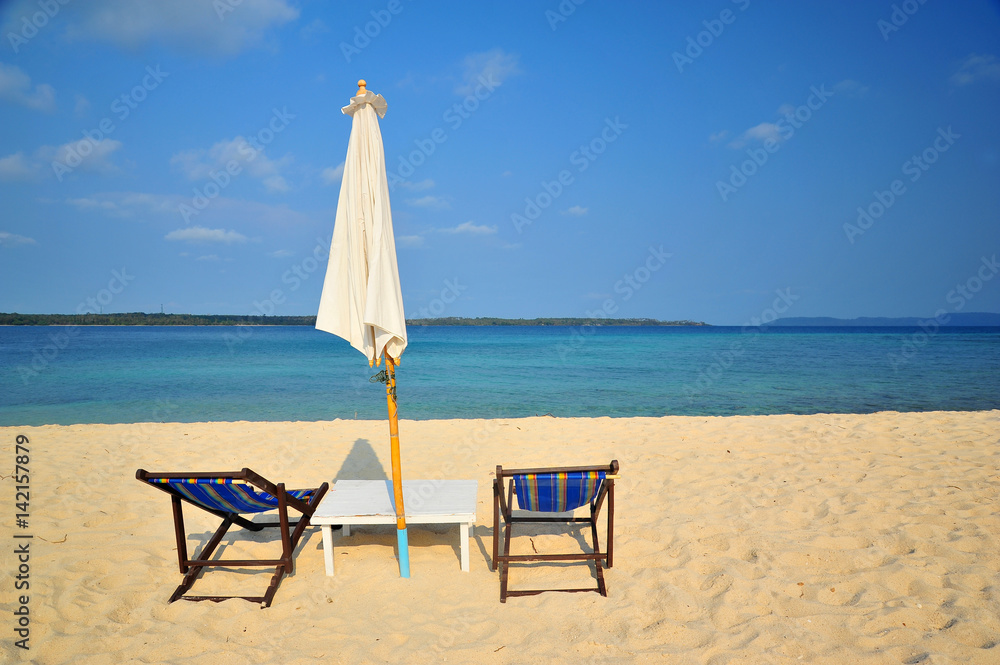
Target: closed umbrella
361	300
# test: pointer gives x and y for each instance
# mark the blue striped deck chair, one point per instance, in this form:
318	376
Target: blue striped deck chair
545	491
229	495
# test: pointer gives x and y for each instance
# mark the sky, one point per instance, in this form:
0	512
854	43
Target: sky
717	161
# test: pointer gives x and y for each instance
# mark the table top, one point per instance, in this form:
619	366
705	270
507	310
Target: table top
372	502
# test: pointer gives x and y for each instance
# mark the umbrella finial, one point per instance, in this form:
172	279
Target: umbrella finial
361	87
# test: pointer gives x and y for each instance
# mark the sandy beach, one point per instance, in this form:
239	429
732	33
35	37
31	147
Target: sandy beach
764	539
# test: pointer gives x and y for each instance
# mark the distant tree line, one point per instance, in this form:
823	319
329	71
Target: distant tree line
142	319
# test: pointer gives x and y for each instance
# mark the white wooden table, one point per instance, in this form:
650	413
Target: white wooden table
355	502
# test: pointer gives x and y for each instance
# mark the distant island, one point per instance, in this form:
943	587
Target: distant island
950	319
142	319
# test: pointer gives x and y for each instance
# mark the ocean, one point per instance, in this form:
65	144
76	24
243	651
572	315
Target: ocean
66	375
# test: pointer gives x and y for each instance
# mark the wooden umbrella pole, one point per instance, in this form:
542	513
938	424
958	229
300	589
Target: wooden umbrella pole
397	473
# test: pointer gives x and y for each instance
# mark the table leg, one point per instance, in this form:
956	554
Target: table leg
464	538
345	530
328	548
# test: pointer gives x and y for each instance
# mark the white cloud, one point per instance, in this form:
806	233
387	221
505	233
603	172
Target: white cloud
201	234
490	68
410	241
417	186
200	164
331	175
208	257
16	167
471	228
221	27
281	253
576	211
13	240
977	68
15	87
429	201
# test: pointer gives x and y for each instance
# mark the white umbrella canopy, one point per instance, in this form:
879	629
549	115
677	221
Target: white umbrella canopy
361	300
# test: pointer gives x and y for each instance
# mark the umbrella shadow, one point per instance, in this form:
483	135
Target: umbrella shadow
361	464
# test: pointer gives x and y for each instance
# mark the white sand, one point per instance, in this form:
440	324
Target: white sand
775	539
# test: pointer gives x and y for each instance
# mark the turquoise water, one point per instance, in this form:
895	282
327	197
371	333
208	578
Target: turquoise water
187	374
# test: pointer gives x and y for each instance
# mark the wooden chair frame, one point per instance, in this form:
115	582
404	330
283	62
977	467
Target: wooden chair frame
503	507
191	568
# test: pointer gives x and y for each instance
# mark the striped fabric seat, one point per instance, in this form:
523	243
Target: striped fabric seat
224	495
556	492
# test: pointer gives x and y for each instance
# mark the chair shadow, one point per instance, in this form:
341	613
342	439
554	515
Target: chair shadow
579	531
237	534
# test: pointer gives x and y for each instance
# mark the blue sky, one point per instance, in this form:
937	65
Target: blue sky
699	160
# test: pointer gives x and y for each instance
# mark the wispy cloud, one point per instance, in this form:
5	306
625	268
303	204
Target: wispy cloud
223	211
977	68
14	240
719	137
281	253
490	68
15	87
221	28
81	106
470	228
314	29
575	211
410	241
83	156
200	234
332	175
850	88
433	202
757	134
199	164
16	167
417	186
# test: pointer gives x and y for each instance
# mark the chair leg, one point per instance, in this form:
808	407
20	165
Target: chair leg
504	564
611	522
179	534
601	588
496	525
